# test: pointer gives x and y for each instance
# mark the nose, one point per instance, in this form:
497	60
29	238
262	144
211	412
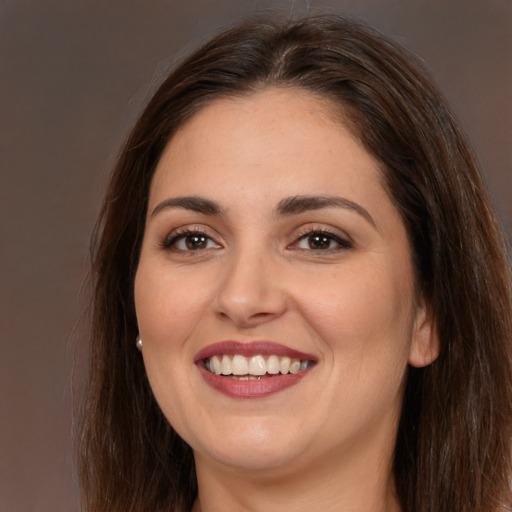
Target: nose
251	291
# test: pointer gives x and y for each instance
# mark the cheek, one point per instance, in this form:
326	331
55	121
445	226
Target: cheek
364	319
168	309
364	312
168	306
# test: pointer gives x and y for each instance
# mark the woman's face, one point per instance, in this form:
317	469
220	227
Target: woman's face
275	292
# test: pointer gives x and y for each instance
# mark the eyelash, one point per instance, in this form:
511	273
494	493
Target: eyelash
181	234
342	244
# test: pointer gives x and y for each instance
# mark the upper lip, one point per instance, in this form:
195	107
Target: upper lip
249	349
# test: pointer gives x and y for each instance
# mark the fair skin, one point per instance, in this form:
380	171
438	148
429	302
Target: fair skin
328	280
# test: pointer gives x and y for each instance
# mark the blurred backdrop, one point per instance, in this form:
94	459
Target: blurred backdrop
73	77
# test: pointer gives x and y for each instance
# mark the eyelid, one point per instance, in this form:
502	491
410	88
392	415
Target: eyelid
184	231
343	239
327	229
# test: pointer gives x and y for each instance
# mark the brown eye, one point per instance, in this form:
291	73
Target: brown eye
321	241
190	241
195	242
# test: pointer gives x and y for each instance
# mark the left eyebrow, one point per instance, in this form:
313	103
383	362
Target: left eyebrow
194	203
300	204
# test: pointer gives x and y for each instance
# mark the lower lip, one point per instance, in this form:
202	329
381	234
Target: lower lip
251	388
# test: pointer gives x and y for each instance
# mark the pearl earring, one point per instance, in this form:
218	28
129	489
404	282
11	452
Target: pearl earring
139	343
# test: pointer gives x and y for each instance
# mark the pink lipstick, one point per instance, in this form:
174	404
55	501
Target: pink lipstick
252	370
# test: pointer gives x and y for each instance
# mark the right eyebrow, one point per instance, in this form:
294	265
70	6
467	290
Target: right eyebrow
299	204
194	203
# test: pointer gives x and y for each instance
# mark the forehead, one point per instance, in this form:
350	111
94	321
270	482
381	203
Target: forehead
276	134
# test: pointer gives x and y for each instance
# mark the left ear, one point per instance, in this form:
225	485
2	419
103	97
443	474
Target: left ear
425	344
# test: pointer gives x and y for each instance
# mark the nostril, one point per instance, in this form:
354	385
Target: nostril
248	295
245	320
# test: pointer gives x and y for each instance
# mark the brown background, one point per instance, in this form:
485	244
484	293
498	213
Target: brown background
74	75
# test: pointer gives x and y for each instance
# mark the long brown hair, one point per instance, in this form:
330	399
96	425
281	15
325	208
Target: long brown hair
454	441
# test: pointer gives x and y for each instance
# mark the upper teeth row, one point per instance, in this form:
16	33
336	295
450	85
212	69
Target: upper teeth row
255	365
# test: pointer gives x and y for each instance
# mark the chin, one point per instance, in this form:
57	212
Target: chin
251	459
260	447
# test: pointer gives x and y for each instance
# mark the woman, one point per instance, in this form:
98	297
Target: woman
298	241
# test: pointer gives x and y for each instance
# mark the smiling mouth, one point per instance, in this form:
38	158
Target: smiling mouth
258	367
252	370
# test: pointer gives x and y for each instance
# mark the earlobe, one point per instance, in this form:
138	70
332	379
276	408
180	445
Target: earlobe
425	344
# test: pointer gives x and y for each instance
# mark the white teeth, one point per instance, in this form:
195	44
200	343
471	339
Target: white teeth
273	366
239	365
294	366
226	365
215	365
284	364
248	377
255	367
